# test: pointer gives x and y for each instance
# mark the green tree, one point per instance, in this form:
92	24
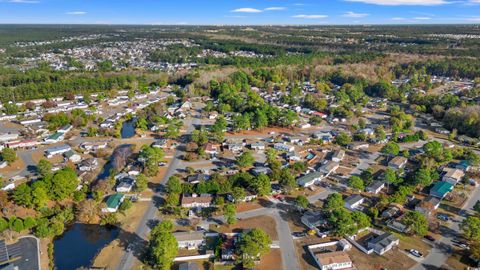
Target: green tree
343	139
238	194
433	149
3	224
44	167
17	225
22	195
476	207
9	155
29	223
245	160
422	177
172	200
417	222
391	148
64	184
471	228
334	201
287	180
39	196
141	183
163	246
342	222
174	185
253	245
356	182
262	185
302	201
230	213
361	219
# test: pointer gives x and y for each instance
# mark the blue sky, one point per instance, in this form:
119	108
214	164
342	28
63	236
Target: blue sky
240	11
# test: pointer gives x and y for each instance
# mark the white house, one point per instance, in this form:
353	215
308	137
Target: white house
55	137
72	156
383	243
354	201
397	163
335	260
453	176
338	155
283	147
375	187
57	150
189	240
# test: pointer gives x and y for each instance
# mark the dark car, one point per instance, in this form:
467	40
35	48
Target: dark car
299	234
429	238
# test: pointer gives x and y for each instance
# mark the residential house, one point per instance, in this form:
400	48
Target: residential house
453	176
257	146
125	185
310	179
65	129
195	201
391	212
463	165
354	201
398	162
188	266
189	240
383	243
284	147
113	202
88	165
72	156
313	219
336	260
441	189
293	156
93	146
235	147
55	137
428	205
5	137
358	146
213	115
338	155
261	170
161	143
398	226
211	149
197	178
50	152
375	187
329	168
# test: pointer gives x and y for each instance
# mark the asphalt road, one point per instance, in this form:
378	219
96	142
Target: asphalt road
151	214
26	249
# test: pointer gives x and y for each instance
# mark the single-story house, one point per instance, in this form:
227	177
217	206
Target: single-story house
383	243
195	201
310	179
284	147
55	137
197	178
338	155
329	168
333	260
257	146
398	163
441	189
50	152
211	149
72	156
375	187
88	165
188	266
390	212
65	129
398	226
428	205
189	240
125	185
261	170
453	176
113	202
354	201
313	219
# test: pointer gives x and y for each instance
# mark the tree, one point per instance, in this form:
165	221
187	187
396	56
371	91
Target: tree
262	185
343	139
64	184
245	160
9	155
422	177
44	167
238	194
361	219
141	183
333	201
287	180
17	225
391	176
356	182
174	185
302	201
433	149
471	228
22	195
172	200
39	196
417	222
3	224
163	246
253	245
391	149
230	213
88	211
476	207
342	222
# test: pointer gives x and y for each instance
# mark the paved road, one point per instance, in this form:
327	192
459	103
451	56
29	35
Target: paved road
151	214
442	248
27	251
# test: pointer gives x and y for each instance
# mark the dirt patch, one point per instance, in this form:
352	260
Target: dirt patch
271	261
390	260
11	169
247	206
265	223
44	260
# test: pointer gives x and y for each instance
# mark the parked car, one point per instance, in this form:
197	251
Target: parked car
299	234
443	217
416	253
429	238
461	245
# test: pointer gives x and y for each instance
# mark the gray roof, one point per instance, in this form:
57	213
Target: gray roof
353	199
384	240
375	185
309	177
188	266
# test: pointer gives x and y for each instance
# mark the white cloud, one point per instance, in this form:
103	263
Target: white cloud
398	19
474	19
422	18
351	14
403	2
315	16
246	10
24	1
274	8
77	13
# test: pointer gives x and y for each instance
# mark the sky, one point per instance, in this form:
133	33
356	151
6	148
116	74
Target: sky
239	12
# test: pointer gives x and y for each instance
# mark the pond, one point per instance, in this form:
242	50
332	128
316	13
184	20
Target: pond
80	243
128	128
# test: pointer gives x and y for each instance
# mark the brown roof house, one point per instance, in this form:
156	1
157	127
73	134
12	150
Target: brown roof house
333	260
195	201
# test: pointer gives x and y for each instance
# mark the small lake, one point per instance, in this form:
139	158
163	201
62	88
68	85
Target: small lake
80	243
128	129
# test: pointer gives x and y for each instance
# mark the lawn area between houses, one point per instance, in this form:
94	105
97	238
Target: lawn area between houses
265	223
413	242
390	260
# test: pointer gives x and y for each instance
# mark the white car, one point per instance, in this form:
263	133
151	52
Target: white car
416	253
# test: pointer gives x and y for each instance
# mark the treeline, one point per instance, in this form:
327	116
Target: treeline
456	68
17	86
